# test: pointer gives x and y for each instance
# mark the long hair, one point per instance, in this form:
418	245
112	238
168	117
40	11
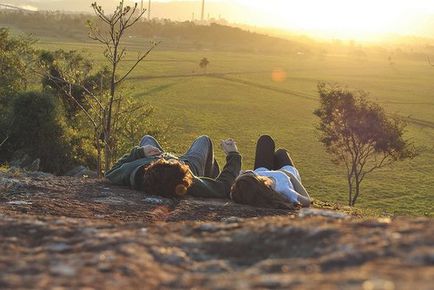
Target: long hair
167	178
257	191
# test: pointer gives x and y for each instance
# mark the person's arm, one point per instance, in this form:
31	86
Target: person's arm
304	197
221	186
294	196
123	172
136	153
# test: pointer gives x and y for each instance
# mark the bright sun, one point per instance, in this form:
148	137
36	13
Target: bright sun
356	19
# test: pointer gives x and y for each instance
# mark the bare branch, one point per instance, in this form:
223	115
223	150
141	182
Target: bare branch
70	86
137	62
131	14
121	54
127	24
377	165
100	13
95	34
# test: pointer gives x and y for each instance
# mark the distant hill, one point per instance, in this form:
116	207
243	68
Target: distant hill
175	10
173	34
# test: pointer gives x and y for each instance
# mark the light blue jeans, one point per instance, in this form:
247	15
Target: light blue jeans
199	157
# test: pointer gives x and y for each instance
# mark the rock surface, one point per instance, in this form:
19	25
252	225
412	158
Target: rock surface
69	233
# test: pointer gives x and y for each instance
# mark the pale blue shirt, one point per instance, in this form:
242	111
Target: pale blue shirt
282	182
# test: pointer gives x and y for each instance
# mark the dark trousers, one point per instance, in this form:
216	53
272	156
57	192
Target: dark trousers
267	157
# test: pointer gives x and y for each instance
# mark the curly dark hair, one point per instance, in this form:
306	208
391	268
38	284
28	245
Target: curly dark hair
256	191
168	178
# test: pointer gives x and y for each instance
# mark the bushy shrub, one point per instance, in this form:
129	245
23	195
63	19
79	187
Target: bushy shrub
38	129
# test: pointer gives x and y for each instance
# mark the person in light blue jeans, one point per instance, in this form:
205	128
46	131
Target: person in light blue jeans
199	157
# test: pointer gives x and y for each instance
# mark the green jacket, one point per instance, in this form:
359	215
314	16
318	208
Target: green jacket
127	172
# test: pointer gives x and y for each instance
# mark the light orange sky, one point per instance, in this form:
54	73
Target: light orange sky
338	18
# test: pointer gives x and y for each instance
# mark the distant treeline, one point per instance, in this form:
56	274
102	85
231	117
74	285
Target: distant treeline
181	35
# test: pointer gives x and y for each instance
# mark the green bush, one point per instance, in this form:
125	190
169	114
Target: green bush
39	130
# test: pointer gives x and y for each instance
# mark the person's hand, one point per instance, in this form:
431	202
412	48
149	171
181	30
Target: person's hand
150	151
229	145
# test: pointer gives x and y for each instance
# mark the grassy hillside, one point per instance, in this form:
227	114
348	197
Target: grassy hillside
238	98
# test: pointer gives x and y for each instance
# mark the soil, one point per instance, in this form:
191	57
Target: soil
72	233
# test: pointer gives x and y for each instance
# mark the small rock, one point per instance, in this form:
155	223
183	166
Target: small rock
58	247
170	255
309	212
231	220
19	202
385	220
157	201
89	231
210	228
81	171
378	284
63	270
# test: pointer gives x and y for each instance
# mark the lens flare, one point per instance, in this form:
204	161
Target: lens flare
278	75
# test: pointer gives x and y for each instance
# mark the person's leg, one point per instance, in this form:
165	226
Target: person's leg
281	159
200	158
264	156
149	140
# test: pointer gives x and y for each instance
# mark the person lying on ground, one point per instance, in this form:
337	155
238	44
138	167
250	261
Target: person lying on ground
149	169
274	182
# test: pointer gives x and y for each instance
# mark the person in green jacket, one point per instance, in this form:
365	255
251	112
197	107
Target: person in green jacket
148	168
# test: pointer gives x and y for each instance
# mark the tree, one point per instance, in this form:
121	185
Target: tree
16	57
204	62
359	134
110	32
98	97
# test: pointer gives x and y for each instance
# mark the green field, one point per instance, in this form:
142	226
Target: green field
238	98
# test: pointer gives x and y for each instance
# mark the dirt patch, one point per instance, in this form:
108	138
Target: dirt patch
80	233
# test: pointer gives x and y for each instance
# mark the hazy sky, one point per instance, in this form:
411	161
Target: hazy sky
358	19
345	18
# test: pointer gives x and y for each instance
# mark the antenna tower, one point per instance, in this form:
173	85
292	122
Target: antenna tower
203	11
149	10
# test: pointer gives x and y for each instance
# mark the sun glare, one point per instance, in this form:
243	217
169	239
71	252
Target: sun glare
353	19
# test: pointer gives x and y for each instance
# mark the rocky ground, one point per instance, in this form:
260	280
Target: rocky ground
70	233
